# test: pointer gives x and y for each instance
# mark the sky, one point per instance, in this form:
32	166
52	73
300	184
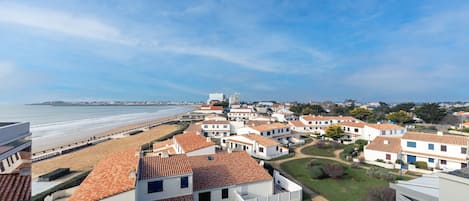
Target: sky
389	51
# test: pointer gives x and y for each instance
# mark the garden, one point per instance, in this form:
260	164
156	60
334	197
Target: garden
337	181
322	148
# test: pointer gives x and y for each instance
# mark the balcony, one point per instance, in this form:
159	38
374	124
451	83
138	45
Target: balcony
284	190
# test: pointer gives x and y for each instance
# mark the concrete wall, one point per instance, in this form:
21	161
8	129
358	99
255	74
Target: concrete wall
263	188
453	188
171	188
125	196
204	151
372	155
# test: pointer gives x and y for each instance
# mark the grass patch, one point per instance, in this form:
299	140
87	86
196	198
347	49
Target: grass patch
326	149
352	186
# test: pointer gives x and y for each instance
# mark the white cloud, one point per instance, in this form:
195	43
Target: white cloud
13	77
179	87
61	22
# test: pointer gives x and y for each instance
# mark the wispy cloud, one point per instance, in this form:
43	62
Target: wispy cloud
61	22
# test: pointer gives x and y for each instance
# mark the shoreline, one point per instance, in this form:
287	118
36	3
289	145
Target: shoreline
109	134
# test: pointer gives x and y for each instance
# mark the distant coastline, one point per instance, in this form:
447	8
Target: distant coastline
113	103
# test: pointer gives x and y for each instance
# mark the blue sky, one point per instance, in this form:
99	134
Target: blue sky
272	50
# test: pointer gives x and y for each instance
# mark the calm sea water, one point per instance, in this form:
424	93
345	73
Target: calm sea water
54	125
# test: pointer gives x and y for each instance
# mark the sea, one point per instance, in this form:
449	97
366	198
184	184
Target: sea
55	125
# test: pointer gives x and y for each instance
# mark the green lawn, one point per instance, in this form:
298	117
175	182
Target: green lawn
328	151
354	184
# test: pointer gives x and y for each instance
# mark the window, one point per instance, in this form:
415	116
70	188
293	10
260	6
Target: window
383	132
411	144
224	141
388	156
155	186
276	148
184	182
205	196
268	132
431	160
443	148
463	165
225	126
463	150
224	193
261	149
1	166
356	130
17	157
288	129
205	126
431	146
443	162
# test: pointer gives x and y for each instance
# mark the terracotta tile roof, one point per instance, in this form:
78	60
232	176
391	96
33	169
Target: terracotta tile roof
393	146
465	124
256	122
384	126
15	187
181	198
157	166
194	127
224	169
267	142
445	139
354	124
267	127
215	122
297	123
111	176
191	142
162	144
327	118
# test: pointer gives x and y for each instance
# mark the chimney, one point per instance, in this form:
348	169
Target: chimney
229	150
439	133
164	154
386	141
261	163
133	173
208	139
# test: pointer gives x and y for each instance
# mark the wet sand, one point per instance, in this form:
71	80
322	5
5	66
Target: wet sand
86	158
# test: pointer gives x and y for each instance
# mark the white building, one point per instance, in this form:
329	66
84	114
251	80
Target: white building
255	145
284	115
318	124
209	109
217	129
367	131
440	186
215	117
220	97
298	126
188	143
224	176
386	148
234	99
278	131
241	114
446	152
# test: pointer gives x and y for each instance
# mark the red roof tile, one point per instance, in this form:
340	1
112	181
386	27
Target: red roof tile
393	146
384	126
264	141
191	142
428	137
297	123
267	127
216	122
353	124
15	187
327	118
111	176
225	169
156	166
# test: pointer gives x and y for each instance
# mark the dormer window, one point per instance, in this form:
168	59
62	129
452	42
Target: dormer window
184	182
155	186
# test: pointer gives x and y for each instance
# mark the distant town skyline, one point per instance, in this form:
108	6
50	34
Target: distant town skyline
281	50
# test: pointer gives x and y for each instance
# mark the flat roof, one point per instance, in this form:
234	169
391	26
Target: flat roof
427	184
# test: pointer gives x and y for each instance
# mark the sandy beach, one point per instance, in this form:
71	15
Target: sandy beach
86	158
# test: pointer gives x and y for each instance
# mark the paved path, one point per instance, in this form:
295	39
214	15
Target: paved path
299	155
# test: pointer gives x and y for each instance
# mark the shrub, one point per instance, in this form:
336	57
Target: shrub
316	172
381	194
321	144
421	165
333	170
399	161
381	173
313	162
361	159
380	160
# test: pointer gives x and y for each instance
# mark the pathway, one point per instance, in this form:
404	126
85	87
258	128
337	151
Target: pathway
299	155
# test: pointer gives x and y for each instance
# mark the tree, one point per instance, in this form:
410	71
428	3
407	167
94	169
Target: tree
451	120
362	113
224	104
335	132
430	112
381	111
403	106
401	117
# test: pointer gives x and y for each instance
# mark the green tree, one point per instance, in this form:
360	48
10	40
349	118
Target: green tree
223	103
362	113
381	111
403	106
430	112
335	132
401	117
